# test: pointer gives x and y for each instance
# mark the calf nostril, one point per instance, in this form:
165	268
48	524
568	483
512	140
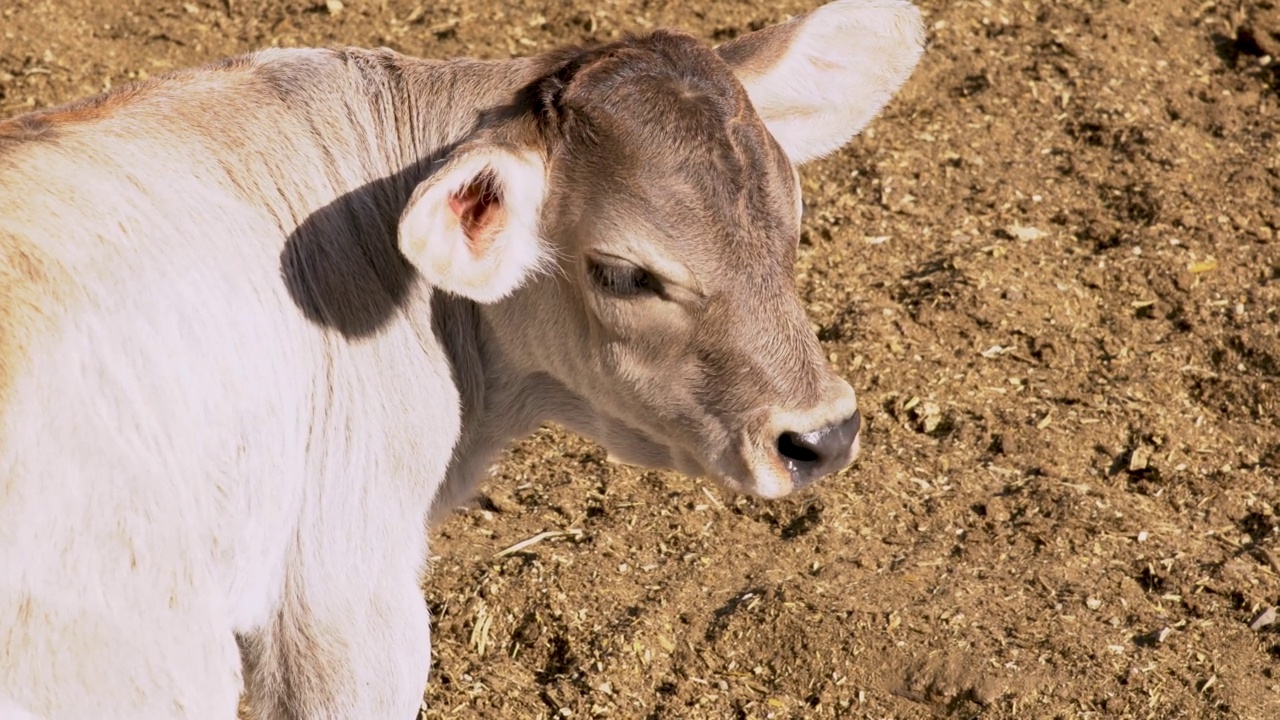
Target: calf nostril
797	448
808	456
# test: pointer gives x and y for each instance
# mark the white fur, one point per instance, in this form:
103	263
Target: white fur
432	237
843	63
184	457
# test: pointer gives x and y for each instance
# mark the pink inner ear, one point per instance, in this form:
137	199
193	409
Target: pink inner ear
478	206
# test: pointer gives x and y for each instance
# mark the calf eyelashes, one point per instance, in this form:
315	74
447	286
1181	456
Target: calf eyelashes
623	280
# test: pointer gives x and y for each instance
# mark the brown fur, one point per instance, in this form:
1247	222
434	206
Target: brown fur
52	123
660	122
756	52
46	124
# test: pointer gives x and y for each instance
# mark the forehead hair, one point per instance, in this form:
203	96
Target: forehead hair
663	118
664	78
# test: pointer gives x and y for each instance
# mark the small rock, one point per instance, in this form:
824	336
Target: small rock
997	510
927	415
1264	618
987	691
333	6
1154	637
1023	232
1093	603
932	417
1139	458
1248	100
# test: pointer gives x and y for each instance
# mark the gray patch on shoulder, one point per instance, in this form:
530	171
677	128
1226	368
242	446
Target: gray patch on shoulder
23	129
290	74
235	62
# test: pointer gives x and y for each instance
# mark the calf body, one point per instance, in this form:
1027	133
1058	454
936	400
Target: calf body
225	411
258	321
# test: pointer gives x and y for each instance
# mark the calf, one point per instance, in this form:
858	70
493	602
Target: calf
259	320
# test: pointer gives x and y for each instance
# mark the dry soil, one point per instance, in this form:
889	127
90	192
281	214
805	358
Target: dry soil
1051	268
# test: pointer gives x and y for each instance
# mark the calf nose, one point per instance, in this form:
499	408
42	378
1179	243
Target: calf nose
808	456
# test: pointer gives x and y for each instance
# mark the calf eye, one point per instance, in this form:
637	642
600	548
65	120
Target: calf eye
623	280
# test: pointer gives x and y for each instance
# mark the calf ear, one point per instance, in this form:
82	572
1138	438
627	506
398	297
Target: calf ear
472	227
818	79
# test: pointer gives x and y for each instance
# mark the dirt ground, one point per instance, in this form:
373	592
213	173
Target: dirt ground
1051	269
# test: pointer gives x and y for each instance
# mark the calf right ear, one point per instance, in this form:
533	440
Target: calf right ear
472	227
818	79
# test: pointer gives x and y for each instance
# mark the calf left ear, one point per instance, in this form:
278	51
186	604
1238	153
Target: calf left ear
818	79
472	227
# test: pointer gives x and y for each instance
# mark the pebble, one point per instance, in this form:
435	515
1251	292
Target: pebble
1264	618
930	416
1023	232
1155	637
1139	458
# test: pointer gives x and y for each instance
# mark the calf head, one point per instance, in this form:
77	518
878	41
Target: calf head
670	206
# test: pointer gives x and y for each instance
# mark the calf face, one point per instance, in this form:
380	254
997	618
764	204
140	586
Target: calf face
672	211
